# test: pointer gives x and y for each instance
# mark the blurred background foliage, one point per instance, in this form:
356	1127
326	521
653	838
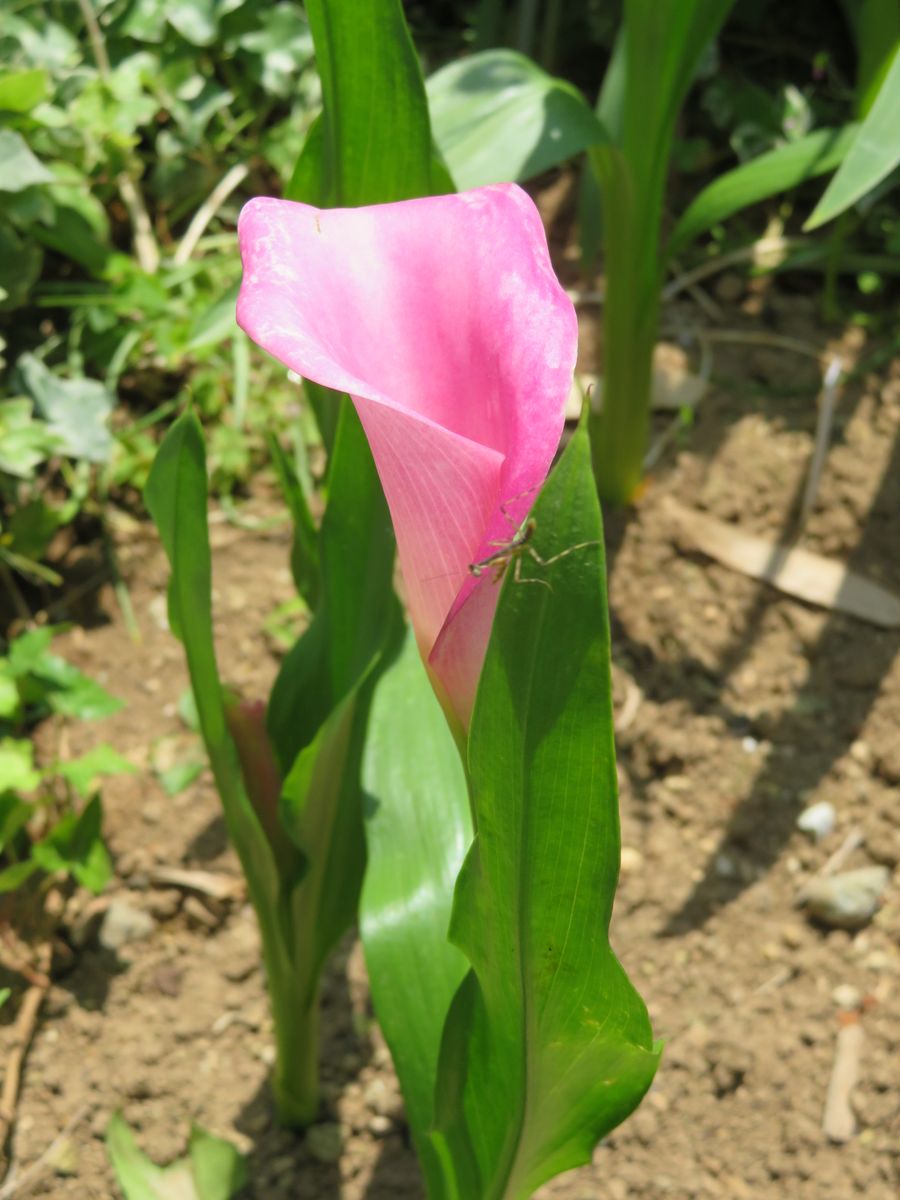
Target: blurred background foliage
132	130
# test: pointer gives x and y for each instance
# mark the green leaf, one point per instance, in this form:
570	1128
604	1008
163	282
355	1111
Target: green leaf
20	91
213	1169
12	878
875	152
218	1168
348	631
84	772
662	48
176	496
24	441
14	813
20	266
77	410
195	20
68	691
876	28
75	845
19	168
17	770
5	994
547	1046
777	171
215	324
499	117
304	545
418	828
375	141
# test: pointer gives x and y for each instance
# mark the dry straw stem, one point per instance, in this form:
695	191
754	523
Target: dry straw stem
825	582
23	1032
838	1120
145	246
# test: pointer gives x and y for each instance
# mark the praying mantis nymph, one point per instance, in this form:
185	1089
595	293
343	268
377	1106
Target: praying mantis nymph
515	549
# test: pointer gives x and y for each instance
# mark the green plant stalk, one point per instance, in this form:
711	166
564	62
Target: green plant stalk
663	44
619	428
295	1015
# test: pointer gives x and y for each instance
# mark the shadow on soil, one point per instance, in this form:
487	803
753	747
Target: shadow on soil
804	748
282	1165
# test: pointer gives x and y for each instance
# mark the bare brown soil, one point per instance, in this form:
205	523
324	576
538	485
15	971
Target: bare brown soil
738	707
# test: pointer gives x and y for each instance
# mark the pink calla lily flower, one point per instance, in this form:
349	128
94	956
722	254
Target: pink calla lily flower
443	320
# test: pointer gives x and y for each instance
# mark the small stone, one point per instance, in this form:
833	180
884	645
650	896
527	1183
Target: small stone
632	860
792	936
818	820
848	900
377	1097
164	903
380	1126
325	1142
846	996
151	812
725	867
123	923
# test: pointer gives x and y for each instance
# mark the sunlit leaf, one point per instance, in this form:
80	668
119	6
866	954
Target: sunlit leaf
498	117
418	827
777	171
875	152
548	1046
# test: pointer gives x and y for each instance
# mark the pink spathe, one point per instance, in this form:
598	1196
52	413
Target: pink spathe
444	321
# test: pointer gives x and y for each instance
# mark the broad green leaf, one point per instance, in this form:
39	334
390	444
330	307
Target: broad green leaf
776	171
17	770
212	1170
498	117
24	441
418	828
68	691
547	1046
374	140
19	168
77	411
84	772
196	20
347	633
20	91
876	28
75	845
875	152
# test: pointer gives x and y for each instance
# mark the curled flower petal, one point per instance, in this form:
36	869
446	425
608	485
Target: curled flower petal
443	320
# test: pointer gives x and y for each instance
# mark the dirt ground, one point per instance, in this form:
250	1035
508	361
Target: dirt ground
738	707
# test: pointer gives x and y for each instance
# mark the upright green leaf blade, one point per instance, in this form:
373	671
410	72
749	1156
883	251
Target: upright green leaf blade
347	633
548	1045
418	828
874	154
498	117
776	171
176	497
375	139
